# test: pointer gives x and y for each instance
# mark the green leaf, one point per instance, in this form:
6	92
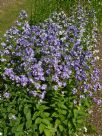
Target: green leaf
61	128
5	131
48	132
87	103
28	115
28	124
80	121
41	128
58	122
65	122
63	106
27	112
46	121
42	107
18	133
75	113
45	115
36	114
74	122
38	120
54	114
19	128
63	112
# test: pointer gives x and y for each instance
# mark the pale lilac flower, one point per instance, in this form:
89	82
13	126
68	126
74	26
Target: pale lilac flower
43	87
12	117
23	80
33	93
74	91
55	87
42	96
7	95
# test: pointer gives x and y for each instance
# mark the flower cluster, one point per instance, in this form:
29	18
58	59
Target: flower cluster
45	57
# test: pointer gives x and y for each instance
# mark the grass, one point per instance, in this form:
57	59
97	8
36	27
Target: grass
40	9
43	8
9	12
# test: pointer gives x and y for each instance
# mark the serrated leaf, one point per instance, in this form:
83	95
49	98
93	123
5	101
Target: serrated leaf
26	109
42	107
74	122
36	114
46	121
80	121
54	114
65	122
47	132
63	112
61	128
45	115
18	133
38	120
28	115
28	124
27	112
58	122
75	113
63	106
41	128
53	105
19	128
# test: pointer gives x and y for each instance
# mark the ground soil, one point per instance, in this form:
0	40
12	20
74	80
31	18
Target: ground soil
96	117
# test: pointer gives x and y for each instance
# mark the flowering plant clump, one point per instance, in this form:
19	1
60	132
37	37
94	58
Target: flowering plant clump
53	60
47	56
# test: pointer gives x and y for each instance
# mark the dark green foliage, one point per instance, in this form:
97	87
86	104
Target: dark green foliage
57	115
41	9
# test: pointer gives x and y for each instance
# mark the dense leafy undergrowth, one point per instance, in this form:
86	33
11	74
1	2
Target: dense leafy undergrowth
48	75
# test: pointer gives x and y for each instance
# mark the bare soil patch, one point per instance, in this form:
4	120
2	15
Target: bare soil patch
96	117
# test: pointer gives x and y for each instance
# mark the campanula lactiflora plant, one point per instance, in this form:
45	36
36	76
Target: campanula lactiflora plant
49	75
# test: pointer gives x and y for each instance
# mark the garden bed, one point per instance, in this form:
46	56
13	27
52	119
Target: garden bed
40	94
